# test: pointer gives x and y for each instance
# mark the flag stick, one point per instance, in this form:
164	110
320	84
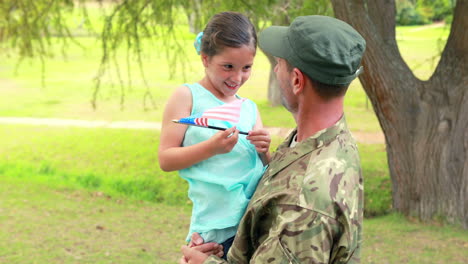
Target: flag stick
212	127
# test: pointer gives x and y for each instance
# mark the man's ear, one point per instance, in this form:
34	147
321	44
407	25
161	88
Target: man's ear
298	81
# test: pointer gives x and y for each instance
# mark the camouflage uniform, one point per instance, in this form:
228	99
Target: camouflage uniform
308	207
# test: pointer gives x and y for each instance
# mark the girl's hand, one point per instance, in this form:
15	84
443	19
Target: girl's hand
224	141
260	138
210	248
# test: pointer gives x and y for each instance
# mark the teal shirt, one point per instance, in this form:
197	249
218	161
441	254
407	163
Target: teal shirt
221	186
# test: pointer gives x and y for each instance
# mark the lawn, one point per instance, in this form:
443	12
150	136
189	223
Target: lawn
123	162
61	225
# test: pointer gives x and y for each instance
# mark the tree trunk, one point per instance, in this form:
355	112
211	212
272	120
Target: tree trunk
425	122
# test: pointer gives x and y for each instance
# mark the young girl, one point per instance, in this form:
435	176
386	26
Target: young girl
221	167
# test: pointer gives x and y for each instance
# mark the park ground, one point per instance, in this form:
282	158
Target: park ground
58	225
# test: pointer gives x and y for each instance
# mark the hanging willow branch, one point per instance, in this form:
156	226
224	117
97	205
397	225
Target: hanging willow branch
129	25
31	28
136	21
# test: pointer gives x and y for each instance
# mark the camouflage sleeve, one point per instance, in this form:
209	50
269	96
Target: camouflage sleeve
299	236
303	236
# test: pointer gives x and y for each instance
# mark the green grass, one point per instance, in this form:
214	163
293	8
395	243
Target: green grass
122	162
61	225
377	183
117	162
394	239
422	46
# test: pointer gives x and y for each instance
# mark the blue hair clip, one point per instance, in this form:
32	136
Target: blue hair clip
197	42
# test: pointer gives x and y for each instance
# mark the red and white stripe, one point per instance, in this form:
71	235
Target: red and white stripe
201	121
228	112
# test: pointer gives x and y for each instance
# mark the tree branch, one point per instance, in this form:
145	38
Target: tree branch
384	22
454	58
457	42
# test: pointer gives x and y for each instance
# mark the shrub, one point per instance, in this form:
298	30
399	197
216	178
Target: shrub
437	10
408	15
423	11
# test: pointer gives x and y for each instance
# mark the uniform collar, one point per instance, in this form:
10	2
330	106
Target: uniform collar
286	155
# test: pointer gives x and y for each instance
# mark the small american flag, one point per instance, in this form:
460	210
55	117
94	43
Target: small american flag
227	112
191	120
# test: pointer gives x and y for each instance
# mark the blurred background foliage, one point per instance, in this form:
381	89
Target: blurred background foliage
420	12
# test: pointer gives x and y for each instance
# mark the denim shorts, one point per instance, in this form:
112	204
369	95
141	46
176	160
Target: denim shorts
226	246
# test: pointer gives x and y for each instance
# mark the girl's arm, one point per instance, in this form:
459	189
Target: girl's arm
172	156
260	138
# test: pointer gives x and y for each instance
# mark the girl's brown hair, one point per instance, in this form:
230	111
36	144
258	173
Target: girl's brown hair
227	29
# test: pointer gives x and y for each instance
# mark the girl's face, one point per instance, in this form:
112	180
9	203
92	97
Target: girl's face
227	71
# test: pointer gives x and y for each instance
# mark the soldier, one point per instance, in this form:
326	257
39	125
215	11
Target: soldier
308	206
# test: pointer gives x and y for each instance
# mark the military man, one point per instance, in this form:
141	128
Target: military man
308	207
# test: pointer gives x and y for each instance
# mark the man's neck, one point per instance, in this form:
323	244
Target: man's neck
312	117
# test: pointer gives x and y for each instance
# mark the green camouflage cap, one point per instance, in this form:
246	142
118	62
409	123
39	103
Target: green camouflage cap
328	50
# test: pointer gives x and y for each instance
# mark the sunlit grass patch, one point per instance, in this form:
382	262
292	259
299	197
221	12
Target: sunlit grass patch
116	161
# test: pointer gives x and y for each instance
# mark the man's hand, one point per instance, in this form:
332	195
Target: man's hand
192	256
